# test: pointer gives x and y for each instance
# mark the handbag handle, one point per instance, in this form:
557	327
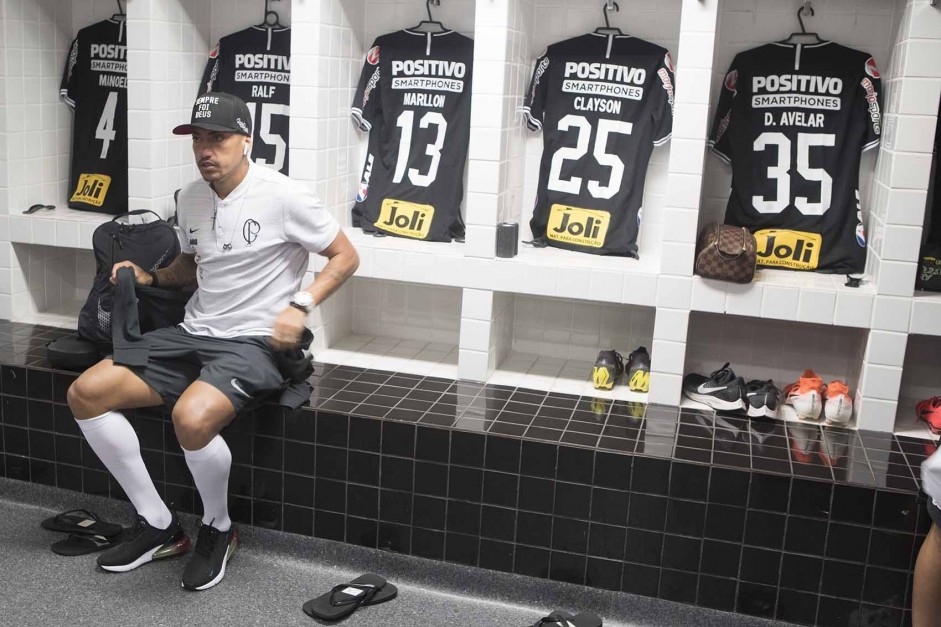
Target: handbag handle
136	212
740	253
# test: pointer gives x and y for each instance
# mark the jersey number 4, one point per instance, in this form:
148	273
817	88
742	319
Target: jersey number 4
604	158
780	172
105	129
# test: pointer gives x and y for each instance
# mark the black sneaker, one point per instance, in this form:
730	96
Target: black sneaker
761	398
214	549
638	370
721	390
609	366
142	543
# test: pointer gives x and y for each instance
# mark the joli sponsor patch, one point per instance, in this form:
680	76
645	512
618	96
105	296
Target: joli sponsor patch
576	225
798	250
91	189
407	219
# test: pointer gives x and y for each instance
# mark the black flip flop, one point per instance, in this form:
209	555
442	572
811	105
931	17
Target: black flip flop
564	619
83	545
83	522
343	600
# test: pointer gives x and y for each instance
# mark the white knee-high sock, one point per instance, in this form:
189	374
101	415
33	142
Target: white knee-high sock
115	442
210	467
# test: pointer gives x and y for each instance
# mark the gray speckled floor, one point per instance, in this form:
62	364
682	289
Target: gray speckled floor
273	575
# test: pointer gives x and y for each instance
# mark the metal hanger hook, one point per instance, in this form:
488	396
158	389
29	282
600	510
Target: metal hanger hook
805	9
428	4
609	5
120	10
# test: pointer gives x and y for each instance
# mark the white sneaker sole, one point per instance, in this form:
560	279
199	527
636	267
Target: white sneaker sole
839	413
140	561
715	403
217	578
762	412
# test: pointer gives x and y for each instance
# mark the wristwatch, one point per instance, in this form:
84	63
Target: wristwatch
302	300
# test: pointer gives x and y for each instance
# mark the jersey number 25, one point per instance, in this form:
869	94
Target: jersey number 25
604	158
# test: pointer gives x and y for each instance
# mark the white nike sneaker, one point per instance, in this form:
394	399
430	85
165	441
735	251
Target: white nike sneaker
721	390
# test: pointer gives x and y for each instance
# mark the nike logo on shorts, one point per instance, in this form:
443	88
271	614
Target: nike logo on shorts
238	388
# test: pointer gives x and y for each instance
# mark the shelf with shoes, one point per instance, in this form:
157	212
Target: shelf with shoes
758	351
393	326
49	284
919	383
553	344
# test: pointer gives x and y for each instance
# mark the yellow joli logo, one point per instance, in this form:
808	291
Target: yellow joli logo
574	225
405	218
798	250
91	189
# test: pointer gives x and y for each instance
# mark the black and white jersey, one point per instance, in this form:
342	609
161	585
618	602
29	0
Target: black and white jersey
602	102
94	86
793	121
255	65
414	98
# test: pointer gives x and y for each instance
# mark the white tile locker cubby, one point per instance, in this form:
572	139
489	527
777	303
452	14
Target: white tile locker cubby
388	325
459	299
919	381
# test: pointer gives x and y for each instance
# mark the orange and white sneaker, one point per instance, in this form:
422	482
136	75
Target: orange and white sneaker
839	406
806	396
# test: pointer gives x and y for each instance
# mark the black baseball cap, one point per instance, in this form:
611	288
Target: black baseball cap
218	111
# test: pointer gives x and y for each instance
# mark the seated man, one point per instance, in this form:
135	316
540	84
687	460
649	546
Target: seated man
247	234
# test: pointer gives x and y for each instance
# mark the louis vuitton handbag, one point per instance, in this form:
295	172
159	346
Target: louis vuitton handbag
726	253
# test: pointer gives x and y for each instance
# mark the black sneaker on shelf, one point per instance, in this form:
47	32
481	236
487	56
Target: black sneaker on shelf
761	398
214	549
609	366
142	543
638	370
721	390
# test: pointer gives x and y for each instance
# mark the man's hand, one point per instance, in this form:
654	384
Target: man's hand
140	276
288	329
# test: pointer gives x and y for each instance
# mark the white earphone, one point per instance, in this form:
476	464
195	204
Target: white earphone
247	149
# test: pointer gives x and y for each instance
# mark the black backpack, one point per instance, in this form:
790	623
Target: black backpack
150	245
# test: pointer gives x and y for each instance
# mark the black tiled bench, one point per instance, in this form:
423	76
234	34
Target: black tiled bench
808	524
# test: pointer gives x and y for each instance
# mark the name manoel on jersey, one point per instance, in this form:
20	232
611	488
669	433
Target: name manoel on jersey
112	60
796	91
263	68
428	75
603	79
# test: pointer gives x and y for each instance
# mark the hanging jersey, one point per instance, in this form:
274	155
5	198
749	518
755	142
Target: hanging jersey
414	100
255	65
94	86
793	121
603	102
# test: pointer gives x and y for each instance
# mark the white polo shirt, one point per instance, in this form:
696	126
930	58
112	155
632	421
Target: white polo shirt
252	250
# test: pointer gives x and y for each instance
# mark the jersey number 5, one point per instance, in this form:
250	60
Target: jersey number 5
269	109
583	126
105	130
780	172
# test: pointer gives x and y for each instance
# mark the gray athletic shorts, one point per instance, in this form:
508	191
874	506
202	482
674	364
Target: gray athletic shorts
242	368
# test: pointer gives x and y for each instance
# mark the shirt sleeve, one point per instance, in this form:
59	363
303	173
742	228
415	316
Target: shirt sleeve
663	101
67	91
181	225
307	222
211	73
534	104
365	108
719	138
870	92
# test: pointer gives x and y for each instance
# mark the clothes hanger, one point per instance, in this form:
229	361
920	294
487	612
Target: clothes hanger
797	38
120	15
607	29
430	25
272	19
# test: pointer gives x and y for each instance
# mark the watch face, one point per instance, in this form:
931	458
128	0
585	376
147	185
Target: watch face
304	299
